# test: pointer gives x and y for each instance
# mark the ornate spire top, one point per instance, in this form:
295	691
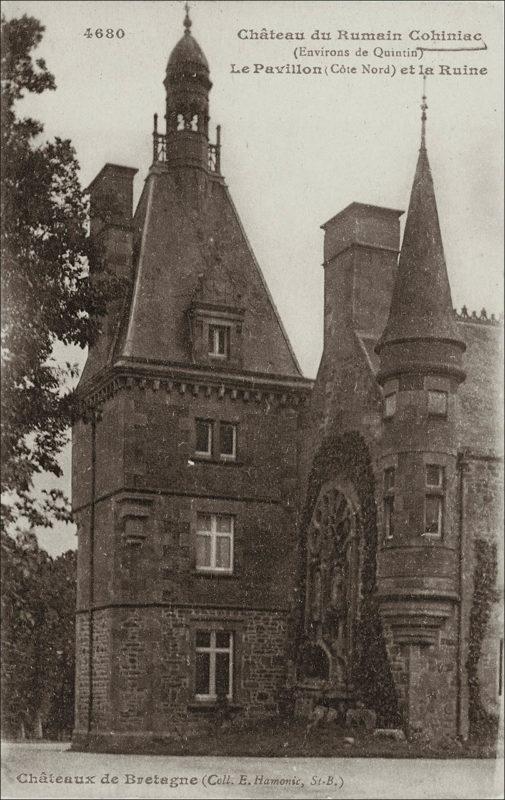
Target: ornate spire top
187	50
424	108
187	20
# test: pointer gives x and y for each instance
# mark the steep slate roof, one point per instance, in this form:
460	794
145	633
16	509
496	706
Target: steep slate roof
182	251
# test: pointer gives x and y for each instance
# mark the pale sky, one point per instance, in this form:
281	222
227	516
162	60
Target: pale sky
296	149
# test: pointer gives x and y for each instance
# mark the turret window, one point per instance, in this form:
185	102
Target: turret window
437	404
389	502
434	500
434	476
390	405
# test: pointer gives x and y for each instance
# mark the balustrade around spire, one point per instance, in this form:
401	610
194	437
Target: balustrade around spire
160	141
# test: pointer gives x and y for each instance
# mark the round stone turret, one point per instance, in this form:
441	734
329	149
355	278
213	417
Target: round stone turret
421	366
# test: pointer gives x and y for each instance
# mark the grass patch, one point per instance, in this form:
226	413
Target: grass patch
274	738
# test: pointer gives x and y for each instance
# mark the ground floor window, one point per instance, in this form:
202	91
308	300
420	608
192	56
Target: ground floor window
214	665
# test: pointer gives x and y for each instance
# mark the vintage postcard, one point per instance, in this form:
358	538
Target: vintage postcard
252	439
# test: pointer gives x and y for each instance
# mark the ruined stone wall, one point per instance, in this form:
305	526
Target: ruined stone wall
482	521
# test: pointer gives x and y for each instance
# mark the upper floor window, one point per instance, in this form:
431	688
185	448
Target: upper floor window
389	502
434	500
228	441
204	431
437	403
215	440
219	341
214	543
213	665
390	405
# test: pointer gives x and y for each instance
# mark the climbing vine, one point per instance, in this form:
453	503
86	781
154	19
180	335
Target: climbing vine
347	456
484	596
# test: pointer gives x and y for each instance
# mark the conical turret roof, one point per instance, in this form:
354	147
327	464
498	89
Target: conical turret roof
421	307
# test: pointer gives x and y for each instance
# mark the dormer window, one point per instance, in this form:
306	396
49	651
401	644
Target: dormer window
219	341
216	334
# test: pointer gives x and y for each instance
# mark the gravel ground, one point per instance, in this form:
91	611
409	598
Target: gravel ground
109	776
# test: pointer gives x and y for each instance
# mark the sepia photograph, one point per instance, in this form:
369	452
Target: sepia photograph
252	399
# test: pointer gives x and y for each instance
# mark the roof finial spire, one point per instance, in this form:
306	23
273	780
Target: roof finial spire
187	20
424	108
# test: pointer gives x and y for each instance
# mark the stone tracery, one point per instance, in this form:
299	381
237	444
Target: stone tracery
332	583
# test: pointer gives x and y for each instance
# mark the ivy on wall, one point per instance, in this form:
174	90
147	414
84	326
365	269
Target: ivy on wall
347	456
484	596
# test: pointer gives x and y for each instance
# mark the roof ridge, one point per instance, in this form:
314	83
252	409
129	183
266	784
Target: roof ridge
481	319
263	281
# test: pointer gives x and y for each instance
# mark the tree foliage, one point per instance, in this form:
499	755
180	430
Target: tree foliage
48	293
485	596
38	638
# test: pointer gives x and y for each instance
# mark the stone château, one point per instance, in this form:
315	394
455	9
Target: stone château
246	533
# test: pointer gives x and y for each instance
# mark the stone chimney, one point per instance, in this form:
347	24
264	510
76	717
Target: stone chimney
361	245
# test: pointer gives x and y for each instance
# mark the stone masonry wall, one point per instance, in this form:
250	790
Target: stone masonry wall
260	657
101	670
144	668
426	679
81	672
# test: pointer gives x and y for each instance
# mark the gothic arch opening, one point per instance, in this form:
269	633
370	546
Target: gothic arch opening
359	666
331	587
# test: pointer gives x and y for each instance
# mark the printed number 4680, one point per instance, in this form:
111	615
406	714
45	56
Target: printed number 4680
100	33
